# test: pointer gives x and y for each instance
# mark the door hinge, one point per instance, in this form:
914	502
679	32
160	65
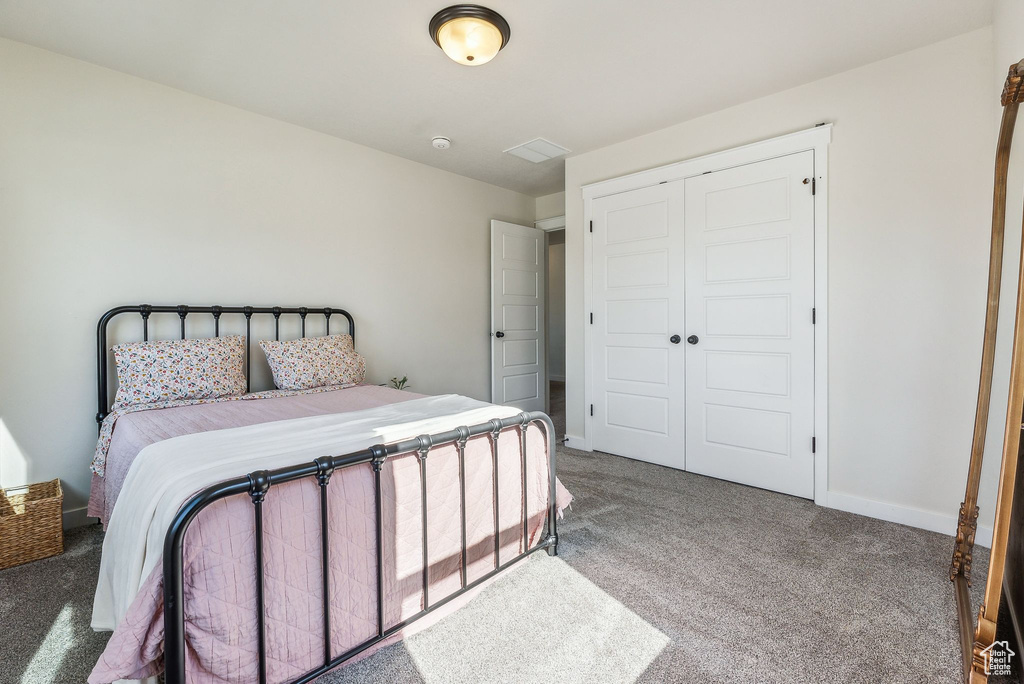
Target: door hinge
591	409
814	316
591	318
591	226
814	445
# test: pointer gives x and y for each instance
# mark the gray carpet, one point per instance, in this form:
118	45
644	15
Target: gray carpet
662	576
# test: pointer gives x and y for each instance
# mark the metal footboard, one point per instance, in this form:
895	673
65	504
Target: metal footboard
259	483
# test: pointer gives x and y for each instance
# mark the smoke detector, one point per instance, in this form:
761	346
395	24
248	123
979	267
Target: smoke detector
441	142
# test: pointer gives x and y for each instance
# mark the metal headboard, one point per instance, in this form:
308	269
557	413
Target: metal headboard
183	310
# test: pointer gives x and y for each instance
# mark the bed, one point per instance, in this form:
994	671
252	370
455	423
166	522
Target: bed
273	536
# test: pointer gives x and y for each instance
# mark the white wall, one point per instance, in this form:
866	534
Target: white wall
115	190
909	185
556	305
549	206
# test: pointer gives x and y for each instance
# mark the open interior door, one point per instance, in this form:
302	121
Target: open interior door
518	344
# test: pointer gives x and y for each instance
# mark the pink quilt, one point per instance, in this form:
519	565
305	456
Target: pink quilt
220	571
135	431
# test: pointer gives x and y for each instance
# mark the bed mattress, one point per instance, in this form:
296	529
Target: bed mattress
135	431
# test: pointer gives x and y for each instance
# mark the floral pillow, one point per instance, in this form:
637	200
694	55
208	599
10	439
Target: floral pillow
168	370
314	362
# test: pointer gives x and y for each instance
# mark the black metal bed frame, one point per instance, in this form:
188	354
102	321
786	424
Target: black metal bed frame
258	484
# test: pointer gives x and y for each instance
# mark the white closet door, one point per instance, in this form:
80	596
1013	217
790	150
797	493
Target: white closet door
750	347
637	370
518	269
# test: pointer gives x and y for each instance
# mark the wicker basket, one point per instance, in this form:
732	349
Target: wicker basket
31	524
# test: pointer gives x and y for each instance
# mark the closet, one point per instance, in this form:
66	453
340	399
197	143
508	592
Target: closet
702	328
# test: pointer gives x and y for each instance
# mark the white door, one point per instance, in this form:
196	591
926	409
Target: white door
518	267
750	348
637	370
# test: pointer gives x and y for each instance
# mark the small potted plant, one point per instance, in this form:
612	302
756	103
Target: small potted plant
400	383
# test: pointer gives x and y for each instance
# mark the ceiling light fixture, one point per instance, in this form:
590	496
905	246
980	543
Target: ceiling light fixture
469	34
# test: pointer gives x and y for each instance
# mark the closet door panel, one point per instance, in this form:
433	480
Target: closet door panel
749	297
637	371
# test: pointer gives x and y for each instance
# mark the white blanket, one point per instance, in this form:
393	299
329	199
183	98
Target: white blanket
166	474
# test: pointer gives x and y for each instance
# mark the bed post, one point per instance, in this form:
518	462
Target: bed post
174	609
551	538
173	571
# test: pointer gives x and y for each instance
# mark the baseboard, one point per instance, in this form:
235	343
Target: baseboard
575	443
76	517
904	515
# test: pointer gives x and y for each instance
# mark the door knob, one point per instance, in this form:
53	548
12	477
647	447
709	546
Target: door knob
693	339
499	334
675	339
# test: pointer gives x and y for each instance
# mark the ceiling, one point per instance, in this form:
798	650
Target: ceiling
581	73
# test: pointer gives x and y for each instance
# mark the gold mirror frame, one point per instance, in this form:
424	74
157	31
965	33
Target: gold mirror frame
976	639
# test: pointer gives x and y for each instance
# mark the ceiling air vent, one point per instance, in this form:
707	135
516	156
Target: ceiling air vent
538	150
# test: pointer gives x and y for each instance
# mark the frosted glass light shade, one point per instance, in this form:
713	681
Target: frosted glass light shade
469	40
469	34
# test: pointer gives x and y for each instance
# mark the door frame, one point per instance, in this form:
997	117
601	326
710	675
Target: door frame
548	225
815	139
